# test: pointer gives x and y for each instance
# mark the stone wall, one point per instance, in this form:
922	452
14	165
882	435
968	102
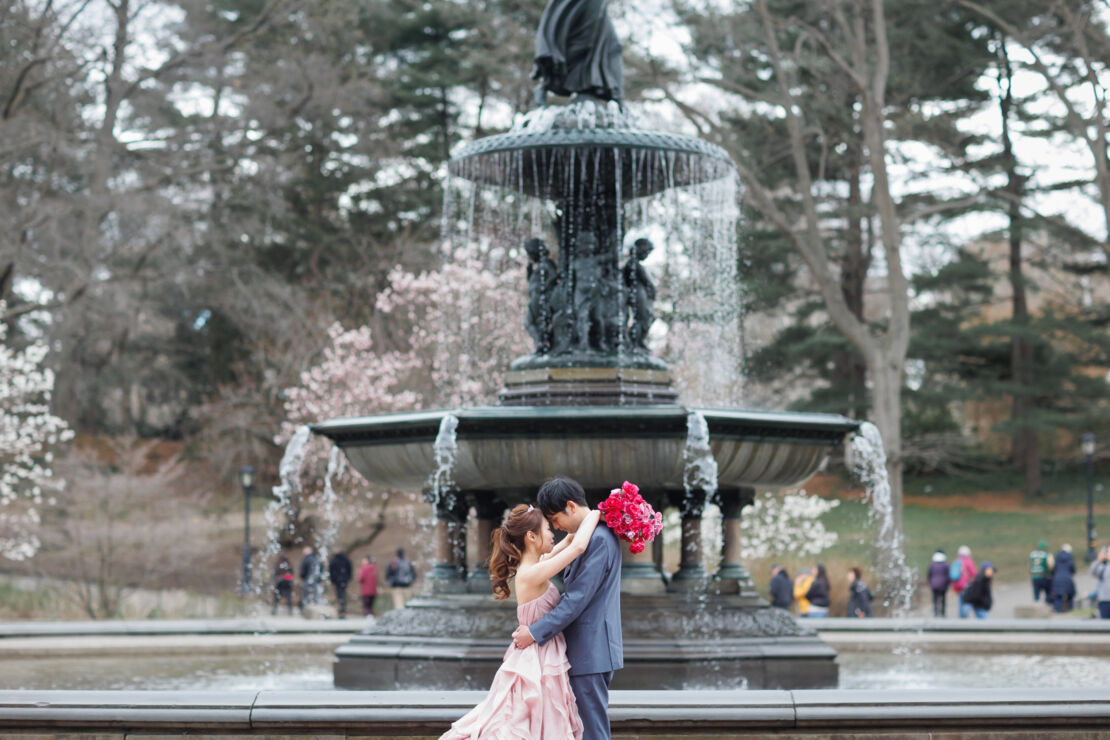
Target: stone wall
988	713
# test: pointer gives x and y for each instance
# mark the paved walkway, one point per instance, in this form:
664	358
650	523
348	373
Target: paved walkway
1015	600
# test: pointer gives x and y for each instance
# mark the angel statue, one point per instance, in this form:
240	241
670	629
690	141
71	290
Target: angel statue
577	51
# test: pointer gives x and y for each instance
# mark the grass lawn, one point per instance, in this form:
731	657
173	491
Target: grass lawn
1004	537
996	522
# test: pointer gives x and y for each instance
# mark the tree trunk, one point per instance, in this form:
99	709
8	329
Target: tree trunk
851	370
1025	446
66	401
887	371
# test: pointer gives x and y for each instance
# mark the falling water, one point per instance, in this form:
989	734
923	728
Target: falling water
278	520
446	447
699	475
685	202
337	462
699	467
868	464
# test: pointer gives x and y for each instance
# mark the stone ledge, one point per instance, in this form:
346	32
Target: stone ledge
263	626
1061	625
349	714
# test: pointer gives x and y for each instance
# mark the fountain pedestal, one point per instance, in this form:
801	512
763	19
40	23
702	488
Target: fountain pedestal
639	575
732	577
691	575
488	510
671	641
448	574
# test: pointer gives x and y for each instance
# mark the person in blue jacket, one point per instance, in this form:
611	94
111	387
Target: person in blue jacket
589	614
782	588
1063	580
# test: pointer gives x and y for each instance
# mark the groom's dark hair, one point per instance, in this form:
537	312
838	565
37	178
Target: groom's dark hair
554	495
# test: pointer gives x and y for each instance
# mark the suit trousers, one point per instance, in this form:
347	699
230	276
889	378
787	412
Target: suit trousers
591	693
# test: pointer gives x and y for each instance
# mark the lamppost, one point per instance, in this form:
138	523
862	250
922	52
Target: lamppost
246	479
1088	445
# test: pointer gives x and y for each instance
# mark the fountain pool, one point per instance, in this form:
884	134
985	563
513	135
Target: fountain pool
310	669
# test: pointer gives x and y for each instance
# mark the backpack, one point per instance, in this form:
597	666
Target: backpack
955	571
405	575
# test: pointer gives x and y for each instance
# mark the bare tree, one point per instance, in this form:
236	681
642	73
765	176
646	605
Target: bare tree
849	52
128	520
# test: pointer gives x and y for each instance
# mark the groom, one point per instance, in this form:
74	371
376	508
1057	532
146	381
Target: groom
589	614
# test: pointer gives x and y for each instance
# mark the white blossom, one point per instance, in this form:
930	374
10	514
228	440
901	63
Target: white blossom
785	524
773	525
28	431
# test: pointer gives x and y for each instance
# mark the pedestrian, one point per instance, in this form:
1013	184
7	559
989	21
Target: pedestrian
938	581
962	572
977	596
818	593
1063	580
782	591
859	595
283	584
801	588
1100	569
339	573
311	575
368	585
399	576
1040	571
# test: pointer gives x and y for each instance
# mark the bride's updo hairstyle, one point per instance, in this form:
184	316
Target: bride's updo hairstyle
508	546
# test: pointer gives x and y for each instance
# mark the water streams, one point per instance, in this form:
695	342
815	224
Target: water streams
446	447
699	477
867	459
278	520
589	205
325	539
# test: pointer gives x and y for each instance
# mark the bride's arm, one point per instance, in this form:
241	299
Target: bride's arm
547	568
563	544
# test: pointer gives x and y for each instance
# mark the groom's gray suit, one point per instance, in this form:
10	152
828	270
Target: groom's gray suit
589	616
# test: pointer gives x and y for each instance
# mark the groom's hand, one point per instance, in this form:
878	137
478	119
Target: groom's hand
522	638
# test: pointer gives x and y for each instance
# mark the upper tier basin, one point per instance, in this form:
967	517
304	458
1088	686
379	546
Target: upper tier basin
586	147
512	450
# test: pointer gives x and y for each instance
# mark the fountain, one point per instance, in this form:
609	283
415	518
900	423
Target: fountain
594	403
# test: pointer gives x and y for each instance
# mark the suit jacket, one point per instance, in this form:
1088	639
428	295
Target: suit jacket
589	614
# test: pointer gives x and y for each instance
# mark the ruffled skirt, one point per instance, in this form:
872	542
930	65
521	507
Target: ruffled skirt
530	699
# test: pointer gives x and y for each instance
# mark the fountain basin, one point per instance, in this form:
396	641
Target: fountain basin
611	152
511	450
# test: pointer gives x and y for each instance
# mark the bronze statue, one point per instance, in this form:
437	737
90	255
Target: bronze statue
577	51
542	279
639	294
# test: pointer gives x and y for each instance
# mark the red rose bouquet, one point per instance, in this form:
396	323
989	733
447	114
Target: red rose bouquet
630	517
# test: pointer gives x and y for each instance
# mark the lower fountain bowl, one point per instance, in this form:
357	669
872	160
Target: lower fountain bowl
670	642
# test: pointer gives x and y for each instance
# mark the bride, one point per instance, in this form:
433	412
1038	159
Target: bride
530	696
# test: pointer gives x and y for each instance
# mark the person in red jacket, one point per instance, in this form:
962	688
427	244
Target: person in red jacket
368	584
964	568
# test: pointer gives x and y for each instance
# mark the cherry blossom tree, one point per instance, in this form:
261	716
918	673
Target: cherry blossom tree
453	332
29	433
777	524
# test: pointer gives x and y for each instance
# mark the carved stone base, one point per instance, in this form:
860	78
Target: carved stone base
588	386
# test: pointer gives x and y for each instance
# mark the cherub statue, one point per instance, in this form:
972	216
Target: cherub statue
589	291
542	278
639	294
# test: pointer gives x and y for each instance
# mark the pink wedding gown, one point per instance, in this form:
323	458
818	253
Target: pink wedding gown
530	697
